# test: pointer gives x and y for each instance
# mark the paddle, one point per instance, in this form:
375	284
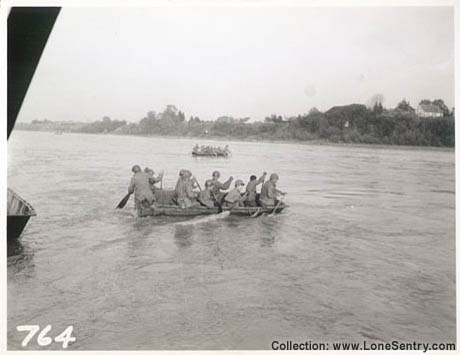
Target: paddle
241	196
219	205
235	204
256	213
197	183
199	187
279	203
124	200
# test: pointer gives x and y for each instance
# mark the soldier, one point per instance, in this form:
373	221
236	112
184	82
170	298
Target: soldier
251	189
217	186
205	197
140	186
155	180
235	197
185	195
269	192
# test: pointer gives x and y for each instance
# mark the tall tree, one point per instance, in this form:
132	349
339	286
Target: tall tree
442	106
405	106
378	108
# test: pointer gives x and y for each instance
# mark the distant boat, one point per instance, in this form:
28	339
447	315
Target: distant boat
211	152
19	211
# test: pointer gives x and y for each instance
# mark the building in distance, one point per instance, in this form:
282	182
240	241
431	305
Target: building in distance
428	111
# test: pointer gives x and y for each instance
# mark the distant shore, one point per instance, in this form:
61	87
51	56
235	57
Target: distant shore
314	142
353	124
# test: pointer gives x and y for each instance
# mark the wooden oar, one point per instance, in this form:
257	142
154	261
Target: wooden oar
219	205
241	196
279	203
256	213
124	201
237	203
197	183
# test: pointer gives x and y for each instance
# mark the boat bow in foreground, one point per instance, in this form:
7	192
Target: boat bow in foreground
19	211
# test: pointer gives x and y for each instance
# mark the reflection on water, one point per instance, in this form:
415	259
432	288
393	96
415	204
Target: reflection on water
183	236
270	230
14	247
20	258
365	251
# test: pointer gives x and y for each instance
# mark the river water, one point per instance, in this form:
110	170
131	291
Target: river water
366	250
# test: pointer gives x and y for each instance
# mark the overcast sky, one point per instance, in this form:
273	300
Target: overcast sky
239	61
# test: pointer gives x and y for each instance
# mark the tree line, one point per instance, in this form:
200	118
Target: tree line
353	123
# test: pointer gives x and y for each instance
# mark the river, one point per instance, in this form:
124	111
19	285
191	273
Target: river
366	250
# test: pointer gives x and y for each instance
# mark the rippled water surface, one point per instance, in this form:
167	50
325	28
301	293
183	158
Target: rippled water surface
365	252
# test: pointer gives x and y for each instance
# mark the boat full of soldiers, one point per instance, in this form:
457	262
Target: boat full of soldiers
210	151
189	198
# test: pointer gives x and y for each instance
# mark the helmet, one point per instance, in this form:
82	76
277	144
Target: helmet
239	182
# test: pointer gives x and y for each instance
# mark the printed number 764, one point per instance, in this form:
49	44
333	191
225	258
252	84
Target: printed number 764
65	337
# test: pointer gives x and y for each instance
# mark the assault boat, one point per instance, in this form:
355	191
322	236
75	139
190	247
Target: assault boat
209	154
173	210
211	151
19	211
164	206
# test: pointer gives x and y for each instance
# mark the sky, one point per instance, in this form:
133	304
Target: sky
240	61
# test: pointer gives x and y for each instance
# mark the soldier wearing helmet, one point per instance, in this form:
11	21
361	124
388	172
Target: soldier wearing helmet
217	186
269	192
251	189
184	194
140	186
236	197
205	197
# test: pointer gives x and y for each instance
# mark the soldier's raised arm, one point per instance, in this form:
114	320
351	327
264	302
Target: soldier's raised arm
262	178
227	183
154	180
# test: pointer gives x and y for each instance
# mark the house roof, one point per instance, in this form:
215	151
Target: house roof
430	108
